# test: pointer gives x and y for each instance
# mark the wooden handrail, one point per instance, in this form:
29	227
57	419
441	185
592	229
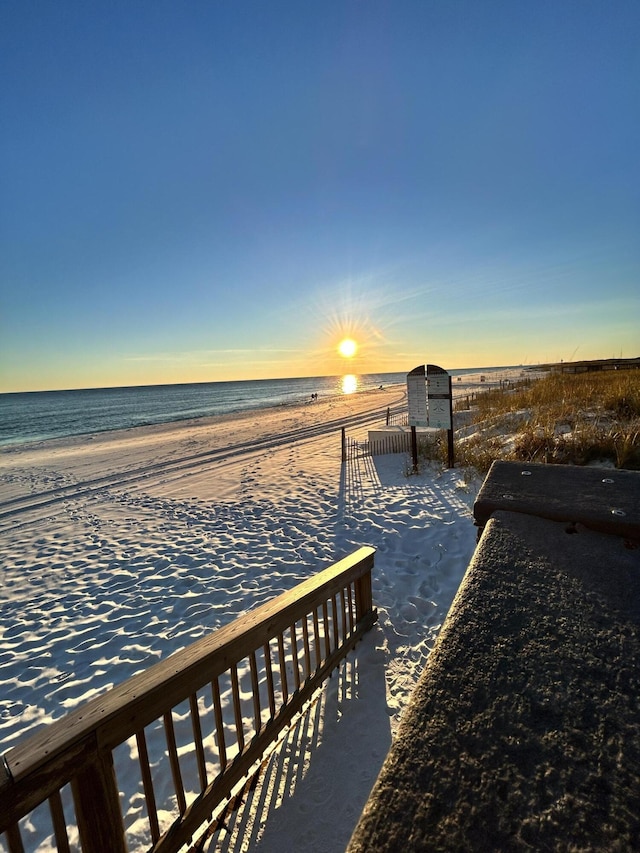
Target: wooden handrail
77	748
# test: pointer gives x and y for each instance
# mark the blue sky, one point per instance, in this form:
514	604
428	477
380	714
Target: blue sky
208	190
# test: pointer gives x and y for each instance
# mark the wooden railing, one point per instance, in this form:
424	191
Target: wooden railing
207	713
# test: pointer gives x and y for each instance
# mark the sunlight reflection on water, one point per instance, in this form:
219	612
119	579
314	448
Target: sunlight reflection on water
349	384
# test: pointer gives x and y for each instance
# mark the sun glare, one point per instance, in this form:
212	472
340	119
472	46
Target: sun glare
349	384
347	348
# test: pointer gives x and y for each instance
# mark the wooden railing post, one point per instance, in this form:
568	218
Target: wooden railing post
97	804
364	596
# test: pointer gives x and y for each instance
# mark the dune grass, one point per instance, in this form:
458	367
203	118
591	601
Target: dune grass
577	419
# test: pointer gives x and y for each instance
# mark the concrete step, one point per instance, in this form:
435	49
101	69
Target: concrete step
523	732
599	498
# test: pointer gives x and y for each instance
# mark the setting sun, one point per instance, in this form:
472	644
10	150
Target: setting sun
347	348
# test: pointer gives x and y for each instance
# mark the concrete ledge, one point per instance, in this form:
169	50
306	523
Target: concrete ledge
523	732
601	499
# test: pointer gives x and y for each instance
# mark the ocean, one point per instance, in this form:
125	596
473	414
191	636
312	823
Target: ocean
42	415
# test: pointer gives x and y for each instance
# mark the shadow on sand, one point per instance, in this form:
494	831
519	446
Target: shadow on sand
312	788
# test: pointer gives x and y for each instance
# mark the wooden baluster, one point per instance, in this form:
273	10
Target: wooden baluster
316	632
97	805
172	749
343	610
59	822
307	650
14	839
197	740
270	689
237	709
350	611
217	709
255	687
294	653
334	608
325	623
147	784
283	669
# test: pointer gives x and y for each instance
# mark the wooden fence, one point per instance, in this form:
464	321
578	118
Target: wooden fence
266	664
352	449
394	443
398	417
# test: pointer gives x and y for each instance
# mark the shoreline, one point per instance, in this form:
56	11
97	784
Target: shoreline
204	421
258	421
19	418
186	450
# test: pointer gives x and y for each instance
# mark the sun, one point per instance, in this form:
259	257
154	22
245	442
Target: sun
347	348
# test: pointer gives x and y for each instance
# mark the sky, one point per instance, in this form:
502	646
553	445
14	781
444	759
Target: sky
201	191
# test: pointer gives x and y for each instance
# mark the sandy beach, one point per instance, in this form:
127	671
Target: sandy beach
119	548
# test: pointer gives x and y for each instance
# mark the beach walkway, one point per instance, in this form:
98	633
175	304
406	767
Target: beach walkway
524	730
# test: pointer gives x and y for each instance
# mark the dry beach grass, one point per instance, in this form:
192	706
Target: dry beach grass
578	419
